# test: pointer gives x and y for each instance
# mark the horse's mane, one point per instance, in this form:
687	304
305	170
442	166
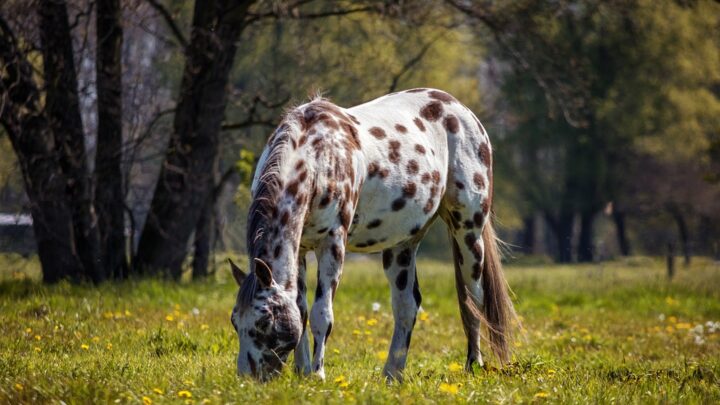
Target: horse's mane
265	197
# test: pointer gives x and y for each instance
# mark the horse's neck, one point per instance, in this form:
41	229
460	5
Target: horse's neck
283	247
286	225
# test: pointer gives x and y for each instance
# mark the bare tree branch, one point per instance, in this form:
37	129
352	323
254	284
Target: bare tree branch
295	14
170	21
412	62
499	30
252	120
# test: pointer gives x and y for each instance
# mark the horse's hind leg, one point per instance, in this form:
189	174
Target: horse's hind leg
399	265
465	232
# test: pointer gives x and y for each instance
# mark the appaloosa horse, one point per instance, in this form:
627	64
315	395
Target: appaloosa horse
370	178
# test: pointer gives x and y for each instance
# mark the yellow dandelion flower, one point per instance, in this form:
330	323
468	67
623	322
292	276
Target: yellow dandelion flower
158	391
95	339
28	331
204	326
147	400
128	313
449	388
367	332
424	316
336	351
672	319
587	338
371	322
107	315
669	329
551	372
185	394
169	318
454	367
38	337
357	332
109	346
38	349
382	355
542	394
344	384
85	346
19	387
339	379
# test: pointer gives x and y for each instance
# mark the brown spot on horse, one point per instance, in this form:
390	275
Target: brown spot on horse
442	96
409	190
479	180
432	111
378	132
394	154
484	153
412	167
451	124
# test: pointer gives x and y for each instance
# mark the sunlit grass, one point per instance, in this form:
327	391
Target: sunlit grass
615	332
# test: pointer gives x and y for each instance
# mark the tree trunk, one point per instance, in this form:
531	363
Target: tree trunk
62	108
562	228
204	234
186	175
32	140
528	235
679	218
109	195
623	242
585	250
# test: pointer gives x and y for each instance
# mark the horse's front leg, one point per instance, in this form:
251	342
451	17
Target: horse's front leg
399	265
331	255
302	350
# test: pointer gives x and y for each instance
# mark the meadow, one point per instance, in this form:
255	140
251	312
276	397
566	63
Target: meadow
616	332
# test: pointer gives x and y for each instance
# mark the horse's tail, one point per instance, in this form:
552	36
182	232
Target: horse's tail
498	311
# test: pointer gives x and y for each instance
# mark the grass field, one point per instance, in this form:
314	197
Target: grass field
610	333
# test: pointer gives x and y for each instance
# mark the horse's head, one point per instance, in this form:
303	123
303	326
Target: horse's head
267	321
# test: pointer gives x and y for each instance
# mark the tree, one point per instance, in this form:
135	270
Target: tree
110	195
46	131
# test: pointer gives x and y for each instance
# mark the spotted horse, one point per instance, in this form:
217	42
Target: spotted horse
370	178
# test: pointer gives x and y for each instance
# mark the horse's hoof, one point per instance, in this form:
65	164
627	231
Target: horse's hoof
392	377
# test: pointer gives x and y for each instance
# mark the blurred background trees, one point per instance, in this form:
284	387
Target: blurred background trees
128	125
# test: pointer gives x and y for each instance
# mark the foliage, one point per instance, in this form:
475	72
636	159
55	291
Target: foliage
620	333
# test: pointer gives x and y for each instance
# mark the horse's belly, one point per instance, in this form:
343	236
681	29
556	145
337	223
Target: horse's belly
389	214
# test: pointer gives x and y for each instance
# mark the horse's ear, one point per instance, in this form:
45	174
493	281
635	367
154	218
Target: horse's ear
263	273
238	274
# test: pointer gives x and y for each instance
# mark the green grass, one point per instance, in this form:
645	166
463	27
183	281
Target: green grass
593	333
